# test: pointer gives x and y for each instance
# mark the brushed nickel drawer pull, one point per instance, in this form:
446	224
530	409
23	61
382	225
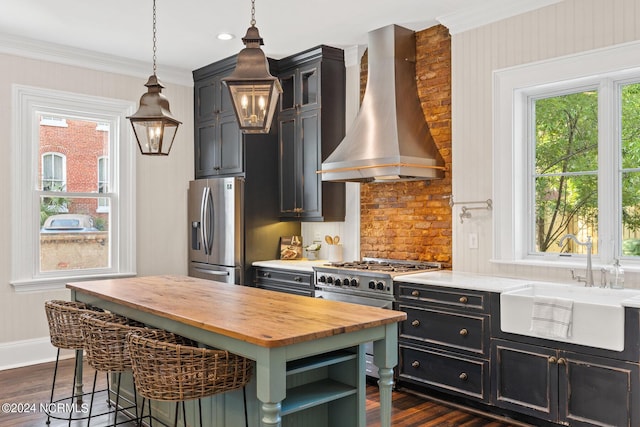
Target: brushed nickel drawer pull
266	274
298	279
464	332
464	300
552	359
415	364
562	361
464	376
415	293
415	323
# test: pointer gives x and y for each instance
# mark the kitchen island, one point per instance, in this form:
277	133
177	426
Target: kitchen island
280	332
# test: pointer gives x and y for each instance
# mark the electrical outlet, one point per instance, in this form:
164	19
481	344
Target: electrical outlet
317	237
473	240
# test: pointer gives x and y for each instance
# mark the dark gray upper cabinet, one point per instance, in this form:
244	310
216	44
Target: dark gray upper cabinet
218	140
311	124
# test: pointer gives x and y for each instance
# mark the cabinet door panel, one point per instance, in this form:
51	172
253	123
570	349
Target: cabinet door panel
226	104
592	393
205	99
206	151
287	98
310	86
230	146
524	379
288	177
310	152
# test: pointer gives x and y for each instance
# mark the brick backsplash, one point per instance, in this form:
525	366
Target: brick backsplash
412	220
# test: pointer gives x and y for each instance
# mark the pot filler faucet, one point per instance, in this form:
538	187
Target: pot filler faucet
588	278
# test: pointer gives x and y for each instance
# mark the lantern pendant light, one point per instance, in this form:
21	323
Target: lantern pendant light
254	91
153	124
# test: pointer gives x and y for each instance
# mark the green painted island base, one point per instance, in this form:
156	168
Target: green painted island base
322	390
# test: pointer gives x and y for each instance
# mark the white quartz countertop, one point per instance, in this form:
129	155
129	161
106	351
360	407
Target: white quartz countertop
462	280
294	265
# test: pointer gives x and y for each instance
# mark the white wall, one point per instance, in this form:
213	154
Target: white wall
565	28
161	195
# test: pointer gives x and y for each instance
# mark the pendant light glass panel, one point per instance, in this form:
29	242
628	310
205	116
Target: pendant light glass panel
155	137
254	103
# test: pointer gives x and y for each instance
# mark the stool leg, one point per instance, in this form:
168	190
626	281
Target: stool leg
184	415
200	410
93	392
53	384
115	414
135	402
73	390
175	420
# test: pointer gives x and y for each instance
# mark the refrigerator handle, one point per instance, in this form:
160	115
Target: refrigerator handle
203	220
208	220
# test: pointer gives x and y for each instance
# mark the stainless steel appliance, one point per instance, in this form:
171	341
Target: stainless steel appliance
232	223
367	282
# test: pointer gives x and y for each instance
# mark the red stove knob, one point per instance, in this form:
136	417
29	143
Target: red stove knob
380	286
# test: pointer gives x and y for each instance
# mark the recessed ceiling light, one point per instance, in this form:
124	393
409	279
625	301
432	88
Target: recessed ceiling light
225	36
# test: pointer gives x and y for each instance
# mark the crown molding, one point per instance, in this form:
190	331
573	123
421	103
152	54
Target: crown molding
34	49
480	14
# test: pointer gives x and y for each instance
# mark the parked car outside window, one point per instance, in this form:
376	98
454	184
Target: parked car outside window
68	223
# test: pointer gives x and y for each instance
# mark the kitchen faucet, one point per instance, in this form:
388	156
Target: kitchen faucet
588	278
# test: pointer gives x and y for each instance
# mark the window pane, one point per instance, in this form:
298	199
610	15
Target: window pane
565	205
77	148
565	171
630	124
75	240
567	133
631	214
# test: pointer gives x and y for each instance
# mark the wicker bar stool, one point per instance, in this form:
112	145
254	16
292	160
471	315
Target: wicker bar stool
105	336
168	367
65	331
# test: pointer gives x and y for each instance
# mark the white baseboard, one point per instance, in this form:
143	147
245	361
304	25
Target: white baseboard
16	354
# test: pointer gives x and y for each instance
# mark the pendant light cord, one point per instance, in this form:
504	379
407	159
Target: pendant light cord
253	13
154	37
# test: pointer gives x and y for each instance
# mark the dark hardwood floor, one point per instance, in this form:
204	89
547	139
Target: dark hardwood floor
32	386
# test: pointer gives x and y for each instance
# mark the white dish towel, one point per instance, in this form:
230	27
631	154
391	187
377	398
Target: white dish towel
551	317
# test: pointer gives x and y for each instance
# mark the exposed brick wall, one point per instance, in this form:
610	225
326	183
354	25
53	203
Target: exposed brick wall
412	220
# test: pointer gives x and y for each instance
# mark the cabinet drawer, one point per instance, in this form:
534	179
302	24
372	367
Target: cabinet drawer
444	371
455	330
291	282
266	275
458	298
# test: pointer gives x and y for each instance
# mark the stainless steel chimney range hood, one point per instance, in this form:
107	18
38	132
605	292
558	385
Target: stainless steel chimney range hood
389	139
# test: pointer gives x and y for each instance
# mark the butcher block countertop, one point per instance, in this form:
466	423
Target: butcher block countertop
257	316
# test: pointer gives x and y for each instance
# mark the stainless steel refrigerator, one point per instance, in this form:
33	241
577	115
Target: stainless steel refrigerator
232	223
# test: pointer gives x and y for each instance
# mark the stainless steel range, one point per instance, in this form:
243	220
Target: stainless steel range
367	282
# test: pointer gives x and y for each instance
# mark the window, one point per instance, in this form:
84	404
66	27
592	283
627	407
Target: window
567	159
58	173
54	172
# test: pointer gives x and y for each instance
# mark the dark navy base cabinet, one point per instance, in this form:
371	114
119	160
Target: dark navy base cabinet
451	345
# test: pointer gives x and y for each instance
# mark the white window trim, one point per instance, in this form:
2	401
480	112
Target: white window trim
102	209
25	204
510	162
